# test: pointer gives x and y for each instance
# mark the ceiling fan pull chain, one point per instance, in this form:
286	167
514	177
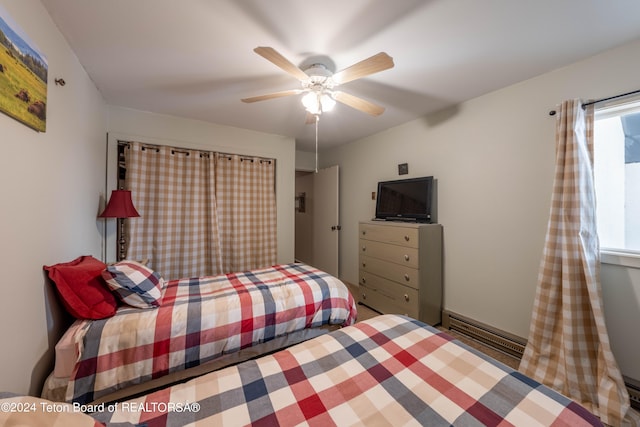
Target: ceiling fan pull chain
317	120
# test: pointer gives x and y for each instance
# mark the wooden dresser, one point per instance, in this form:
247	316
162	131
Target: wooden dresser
401	269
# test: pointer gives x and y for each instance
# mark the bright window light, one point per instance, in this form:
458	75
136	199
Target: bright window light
617	176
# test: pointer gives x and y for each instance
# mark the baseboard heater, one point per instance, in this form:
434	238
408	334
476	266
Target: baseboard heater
633	387
488	335
511	344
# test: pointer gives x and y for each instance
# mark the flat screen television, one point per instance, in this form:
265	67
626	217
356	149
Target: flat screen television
405	200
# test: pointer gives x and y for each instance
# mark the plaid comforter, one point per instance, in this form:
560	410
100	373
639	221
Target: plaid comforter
201	319
386	371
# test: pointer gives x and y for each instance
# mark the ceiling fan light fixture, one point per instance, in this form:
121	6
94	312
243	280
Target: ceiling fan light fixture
327	102
310	102
318	102
319	74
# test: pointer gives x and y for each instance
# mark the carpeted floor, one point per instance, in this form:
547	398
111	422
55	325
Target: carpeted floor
365	312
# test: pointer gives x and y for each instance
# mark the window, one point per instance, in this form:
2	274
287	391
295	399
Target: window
617	177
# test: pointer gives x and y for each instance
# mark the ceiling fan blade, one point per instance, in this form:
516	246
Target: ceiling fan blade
270	54
371	65
358	103
273	95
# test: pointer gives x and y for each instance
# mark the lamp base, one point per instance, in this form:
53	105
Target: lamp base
122	252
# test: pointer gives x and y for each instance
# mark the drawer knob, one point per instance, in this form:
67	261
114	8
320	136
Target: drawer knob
406	277
364	232
364	295
406	297
364	248
406	257
406	238
364	280
364	264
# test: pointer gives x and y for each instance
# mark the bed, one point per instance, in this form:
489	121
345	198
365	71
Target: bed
388	370
201	324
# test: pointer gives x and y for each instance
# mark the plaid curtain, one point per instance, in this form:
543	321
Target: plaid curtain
245	192
173	190
568	347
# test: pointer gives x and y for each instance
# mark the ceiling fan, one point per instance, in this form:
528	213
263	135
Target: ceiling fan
319	83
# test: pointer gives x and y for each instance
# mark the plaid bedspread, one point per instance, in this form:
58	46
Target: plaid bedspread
386	371
201	319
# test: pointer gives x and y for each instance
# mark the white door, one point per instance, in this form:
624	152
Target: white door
326	228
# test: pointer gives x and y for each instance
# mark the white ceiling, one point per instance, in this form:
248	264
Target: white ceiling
195	59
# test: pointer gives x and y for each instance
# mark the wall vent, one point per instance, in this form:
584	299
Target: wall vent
488	335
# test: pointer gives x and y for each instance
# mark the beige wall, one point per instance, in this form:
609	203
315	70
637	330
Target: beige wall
305	161
304	220
51	184
493	158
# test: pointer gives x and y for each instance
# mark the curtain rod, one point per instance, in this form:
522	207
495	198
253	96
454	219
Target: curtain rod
183	151
586	104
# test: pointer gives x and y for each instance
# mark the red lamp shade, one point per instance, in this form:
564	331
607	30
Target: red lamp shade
119	206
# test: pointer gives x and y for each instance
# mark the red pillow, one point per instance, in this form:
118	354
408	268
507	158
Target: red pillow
83	291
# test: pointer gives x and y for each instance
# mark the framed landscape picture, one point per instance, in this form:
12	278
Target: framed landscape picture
23	76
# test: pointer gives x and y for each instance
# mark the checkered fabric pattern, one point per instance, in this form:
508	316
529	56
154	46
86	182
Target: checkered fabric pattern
201	319
246	197
568	347
173	190
201	213
135	284
385	371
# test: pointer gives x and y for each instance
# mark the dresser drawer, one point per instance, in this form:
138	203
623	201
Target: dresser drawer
394	253
404	236
389	297
395	272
